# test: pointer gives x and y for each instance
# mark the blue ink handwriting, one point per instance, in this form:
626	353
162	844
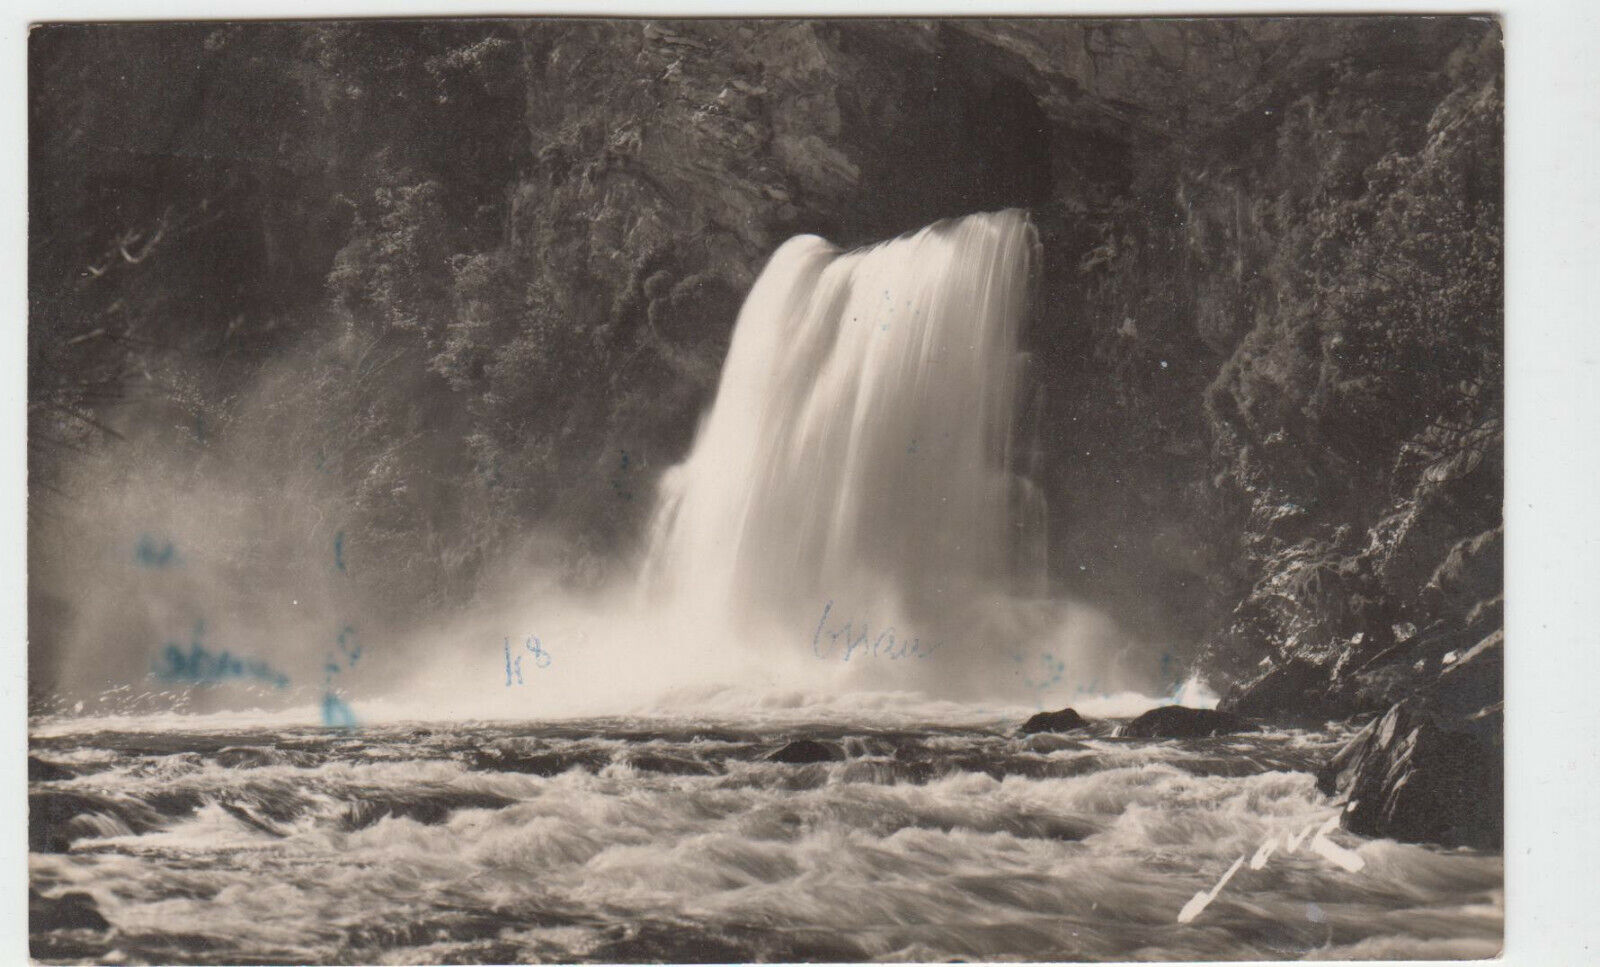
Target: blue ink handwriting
336	714
541	658
352	651
149	554
348	648
201	666
1052	667
883	646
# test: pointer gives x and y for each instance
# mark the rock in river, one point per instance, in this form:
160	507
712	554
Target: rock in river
1180	722
1063	721
802	751
69	911
42	771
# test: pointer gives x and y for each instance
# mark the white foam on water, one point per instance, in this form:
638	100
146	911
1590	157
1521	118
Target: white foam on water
1091	865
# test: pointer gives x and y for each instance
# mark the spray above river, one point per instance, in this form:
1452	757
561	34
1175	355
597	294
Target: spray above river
859	512
859	475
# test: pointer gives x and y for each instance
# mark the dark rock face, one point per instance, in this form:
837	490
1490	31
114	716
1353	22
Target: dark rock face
1409	629
1179	722
802	751
1063	721
1431	769
1417	777
1473	682
1295	692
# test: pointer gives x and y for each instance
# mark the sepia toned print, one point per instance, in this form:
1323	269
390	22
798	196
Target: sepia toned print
560	490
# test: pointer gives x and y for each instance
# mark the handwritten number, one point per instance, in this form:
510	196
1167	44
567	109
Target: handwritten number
510	666
540	656
541	659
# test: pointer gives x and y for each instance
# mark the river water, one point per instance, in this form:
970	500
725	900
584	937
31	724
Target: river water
676	839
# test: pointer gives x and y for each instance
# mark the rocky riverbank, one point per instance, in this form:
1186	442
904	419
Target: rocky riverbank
1429	770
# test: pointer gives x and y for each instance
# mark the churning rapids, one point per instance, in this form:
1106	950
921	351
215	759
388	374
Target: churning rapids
678	840
854	551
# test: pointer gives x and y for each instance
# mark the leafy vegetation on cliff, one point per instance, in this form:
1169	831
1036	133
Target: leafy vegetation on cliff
1360	419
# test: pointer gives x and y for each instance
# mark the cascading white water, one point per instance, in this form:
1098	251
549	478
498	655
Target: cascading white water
855	518
858	455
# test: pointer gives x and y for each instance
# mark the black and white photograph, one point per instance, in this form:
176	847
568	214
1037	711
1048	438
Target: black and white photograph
766	490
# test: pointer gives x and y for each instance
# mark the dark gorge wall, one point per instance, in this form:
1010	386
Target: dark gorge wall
506	258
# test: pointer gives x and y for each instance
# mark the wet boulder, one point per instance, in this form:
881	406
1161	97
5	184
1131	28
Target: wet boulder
56	818
1419	776
671	765
540	763
429	808
1063	721
1181	722
803	751
69	911
41	771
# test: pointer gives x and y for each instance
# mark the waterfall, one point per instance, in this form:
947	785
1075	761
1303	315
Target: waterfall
861	450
